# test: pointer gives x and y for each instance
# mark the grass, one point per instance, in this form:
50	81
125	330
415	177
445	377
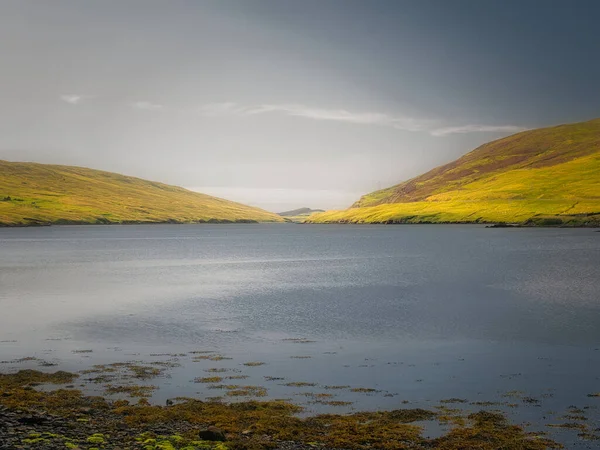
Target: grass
549	176
35	194
296	219
298	215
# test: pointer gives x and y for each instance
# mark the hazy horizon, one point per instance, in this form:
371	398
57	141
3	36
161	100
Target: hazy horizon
281	104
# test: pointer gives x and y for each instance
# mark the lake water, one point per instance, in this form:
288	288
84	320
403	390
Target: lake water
418	313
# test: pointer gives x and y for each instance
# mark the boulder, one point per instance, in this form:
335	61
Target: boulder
211	434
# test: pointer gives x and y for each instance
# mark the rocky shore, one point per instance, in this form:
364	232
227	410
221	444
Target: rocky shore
41	410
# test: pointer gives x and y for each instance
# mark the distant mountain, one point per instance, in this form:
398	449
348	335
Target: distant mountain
547	176
38	194
300	212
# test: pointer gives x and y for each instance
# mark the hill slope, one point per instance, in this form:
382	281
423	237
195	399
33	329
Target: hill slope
544	176
33	193
299	212
298	215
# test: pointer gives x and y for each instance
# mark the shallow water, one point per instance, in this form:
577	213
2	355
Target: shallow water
419	313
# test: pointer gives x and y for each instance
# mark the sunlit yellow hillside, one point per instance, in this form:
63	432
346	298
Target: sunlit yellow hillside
44	194
548	176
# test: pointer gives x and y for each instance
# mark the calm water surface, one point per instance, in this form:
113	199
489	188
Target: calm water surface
419	313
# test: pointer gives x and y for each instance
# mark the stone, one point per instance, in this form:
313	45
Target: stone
211	434
32	420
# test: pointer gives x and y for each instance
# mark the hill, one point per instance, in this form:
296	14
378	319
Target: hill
547	176
38	194
298	215
299	212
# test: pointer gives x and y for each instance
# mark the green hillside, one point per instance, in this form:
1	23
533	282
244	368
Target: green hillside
547	176
33	194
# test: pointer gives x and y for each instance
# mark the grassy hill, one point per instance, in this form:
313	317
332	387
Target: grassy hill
547	176
298	215
33	194
299	212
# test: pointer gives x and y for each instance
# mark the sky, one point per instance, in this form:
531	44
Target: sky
282	103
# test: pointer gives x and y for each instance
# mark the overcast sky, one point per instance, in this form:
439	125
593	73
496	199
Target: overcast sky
287	103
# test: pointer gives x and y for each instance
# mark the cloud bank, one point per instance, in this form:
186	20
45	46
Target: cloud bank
405	123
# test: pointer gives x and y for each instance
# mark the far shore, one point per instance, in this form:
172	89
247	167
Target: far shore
129	222
246	221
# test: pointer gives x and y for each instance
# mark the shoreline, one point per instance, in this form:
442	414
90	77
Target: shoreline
64	417
487	224
4	225
113	405
61	223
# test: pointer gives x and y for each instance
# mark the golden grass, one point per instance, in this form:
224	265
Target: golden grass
33	193
557	185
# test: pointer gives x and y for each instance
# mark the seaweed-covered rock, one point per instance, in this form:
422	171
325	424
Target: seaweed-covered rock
211	434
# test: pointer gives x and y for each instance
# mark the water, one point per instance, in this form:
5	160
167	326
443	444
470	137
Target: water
419	313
